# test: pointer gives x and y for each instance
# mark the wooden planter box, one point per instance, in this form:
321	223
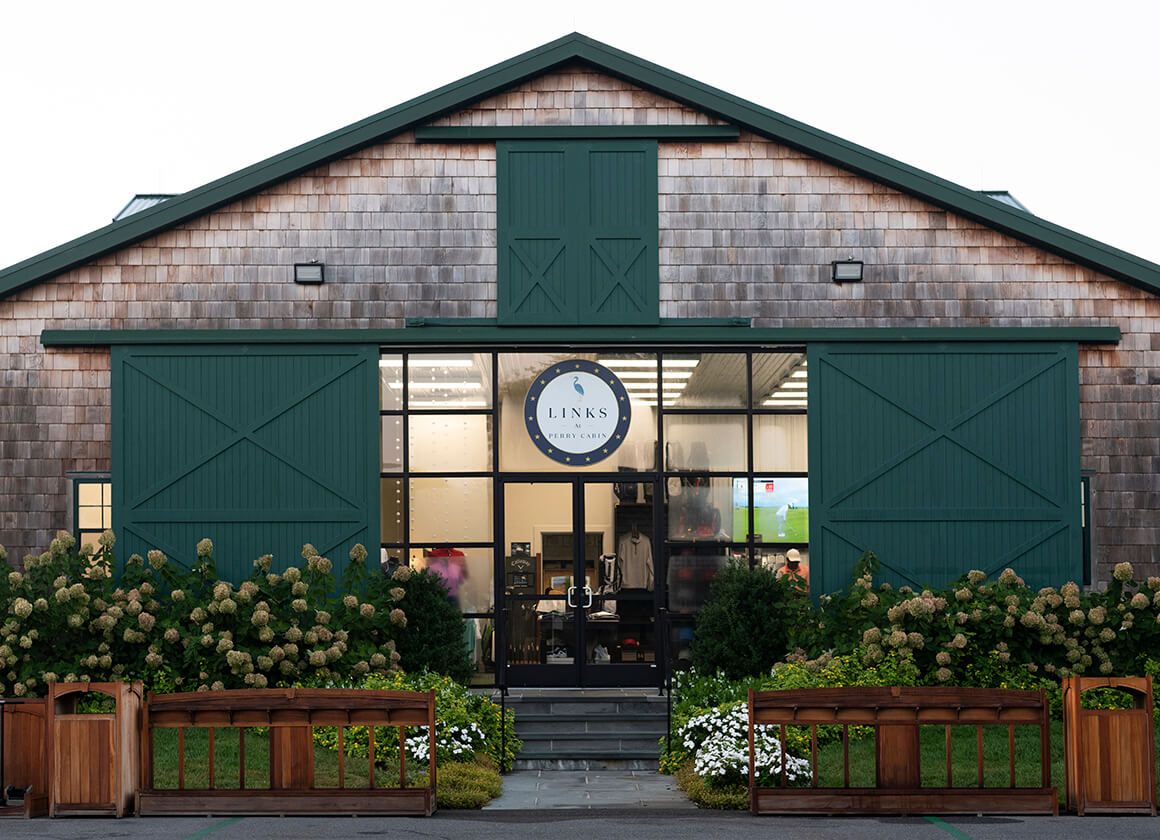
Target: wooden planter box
1109	754
896	714
24	764
291	715
93	759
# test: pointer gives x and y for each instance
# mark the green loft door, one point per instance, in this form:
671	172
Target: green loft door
943	458
577	232
259	448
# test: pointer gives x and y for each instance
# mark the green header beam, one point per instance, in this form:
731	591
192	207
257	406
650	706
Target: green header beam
475	334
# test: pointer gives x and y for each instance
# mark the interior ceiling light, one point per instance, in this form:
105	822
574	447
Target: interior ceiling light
649	363
450	386
777	403
447	404
426	362
799	374
651	374
793	384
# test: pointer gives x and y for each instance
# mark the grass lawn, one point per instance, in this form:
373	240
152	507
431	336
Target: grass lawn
257	745
460	785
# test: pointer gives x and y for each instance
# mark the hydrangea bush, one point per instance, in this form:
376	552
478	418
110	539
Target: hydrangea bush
66	619
948	632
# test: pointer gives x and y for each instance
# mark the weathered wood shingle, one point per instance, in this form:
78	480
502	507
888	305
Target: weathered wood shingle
408	230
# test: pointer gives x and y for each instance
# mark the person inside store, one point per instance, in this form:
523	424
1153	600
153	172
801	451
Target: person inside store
794	570
451	566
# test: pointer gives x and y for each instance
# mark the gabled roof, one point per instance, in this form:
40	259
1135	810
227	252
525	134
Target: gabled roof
572	48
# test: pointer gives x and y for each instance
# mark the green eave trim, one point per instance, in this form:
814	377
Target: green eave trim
489	133
494	322
572	49
569	336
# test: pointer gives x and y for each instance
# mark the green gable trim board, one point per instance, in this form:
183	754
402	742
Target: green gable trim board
565	336
578	48
259	448
492	133
941	458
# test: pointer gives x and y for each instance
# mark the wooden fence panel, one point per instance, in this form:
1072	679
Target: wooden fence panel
897	715
291	715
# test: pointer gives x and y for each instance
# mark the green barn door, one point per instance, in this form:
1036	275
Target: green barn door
577	232
943	458
259	448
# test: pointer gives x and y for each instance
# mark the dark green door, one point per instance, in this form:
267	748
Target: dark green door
259	448
943	458
577	232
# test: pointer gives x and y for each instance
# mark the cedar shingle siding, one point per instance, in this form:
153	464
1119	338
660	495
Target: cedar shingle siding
408	230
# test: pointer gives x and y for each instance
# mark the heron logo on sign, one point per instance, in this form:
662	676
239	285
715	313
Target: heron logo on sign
577	412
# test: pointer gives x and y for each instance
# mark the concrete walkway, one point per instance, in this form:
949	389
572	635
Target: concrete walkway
525	790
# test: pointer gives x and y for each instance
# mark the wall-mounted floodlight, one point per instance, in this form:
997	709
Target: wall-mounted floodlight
309	273
847	271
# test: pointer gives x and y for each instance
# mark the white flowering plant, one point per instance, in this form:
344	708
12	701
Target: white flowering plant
467	726
718	740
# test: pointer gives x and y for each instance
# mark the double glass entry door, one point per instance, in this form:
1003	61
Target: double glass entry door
579	589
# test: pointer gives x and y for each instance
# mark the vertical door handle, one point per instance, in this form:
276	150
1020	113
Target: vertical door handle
588	592
571	592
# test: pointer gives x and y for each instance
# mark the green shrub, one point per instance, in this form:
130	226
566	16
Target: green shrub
743	627
66	619
467	784
732	798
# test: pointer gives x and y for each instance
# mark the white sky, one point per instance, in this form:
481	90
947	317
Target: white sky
1054	100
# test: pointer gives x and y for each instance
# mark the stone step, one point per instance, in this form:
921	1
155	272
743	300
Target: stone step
585	764
588	708
588	729
530	725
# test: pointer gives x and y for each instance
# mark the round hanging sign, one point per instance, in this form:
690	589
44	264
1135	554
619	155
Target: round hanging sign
577	412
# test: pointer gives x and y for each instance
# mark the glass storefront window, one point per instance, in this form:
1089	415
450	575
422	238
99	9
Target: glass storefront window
705	442
706	380
448	380
392	449
636	371
691	570
780	380
467	573
710	509
391	510
781	509
450	442
390	382
445	510
780	443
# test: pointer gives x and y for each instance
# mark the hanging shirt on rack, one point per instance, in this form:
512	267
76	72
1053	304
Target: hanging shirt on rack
636	561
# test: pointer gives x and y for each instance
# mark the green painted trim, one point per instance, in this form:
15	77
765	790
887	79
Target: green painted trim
555	336
491	133
571	48
494	322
